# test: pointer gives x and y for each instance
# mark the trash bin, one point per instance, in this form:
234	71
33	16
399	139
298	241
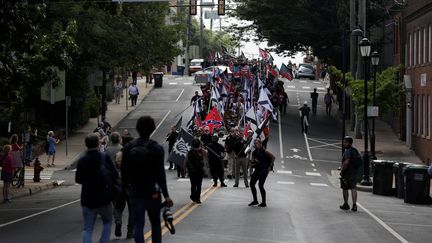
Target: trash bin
383	177
180	70
417	184
399	178
158	78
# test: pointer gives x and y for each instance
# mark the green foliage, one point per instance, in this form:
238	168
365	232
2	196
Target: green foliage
388	89
93	104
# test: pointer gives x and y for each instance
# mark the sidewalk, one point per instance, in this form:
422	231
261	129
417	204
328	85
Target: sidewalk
114	114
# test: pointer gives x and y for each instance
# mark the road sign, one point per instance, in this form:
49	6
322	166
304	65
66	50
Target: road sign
211	15
373	111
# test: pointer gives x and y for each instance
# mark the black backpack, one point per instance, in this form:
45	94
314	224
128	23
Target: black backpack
111	189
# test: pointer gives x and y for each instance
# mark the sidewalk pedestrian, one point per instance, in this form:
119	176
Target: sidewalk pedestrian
143	175
304	117
6	172
16	152
133	94
328	100
171	139
314	96
195	168
117	90
94	200
349	173
262	161
51	145
215	154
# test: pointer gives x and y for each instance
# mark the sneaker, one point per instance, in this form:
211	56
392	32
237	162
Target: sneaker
235	186
198	201
215	185
354	208
262	205
246	186
253	203
117	231
344	206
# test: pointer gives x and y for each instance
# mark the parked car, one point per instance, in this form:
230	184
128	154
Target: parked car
203	75
306	71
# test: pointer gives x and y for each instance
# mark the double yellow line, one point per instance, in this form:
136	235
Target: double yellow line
183	212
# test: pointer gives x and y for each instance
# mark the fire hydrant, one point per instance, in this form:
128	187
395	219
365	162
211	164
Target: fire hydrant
37	168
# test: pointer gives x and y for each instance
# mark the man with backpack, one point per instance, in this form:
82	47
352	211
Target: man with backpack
95	196
351	165
143	176
328	100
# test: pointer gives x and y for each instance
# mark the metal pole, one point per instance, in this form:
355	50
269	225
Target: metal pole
188	30
344	90
373	118
366	180
201	29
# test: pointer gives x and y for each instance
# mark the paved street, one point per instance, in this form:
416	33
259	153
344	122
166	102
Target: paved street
303	192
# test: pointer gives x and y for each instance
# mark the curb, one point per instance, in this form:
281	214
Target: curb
335	181
34	189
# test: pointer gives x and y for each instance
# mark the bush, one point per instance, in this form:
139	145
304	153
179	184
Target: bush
93	104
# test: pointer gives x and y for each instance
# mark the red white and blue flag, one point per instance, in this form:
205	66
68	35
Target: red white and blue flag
286	72
213	120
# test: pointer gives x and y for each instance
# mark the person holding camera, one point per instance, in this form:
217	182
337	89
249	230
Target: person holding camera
262	162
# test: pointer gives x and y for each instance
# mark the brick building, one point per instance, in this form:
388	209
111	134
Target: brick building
413	47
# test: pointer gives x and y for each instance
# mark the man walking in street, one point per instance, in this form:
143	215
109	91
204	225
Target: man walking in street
229	142
215	154
143	175
93	199
328	100
240	161
314	96
171	139
133	94
351	163
114	152
304	117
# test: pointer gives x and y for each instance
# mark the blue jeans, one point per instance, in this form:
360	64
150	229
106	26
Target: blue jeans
89	215
153	206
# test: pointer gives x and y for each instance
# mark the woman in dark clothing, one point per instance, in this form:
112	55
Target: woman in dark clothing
195	168
262	162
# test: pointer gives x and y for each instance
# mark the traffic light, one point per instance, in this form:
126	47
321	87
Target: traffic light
193	7
221	7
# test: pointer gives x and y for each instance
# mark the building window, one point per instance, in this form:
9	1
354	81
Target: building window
424	116
410	51
424	45
419	47
415	49
430	43
429	117
418	115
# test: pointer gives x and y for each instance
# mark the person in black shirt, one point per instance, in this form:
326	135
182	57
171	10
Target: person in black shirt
349	174
171	138
143	175
93	199
304	118
215	154
314	96
262	162
206	137
195	167
126	137
195	98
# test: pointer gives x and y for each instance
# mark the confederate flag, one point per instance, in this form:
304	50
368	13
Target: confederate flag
212	120
285	72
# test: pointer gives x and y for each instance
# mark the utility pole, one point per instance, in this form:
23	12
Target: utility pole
188	30
211	19
353	39
201	29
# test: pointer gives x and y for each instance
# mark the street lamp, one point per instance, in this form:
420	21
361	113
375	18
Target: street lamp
365	48
375	61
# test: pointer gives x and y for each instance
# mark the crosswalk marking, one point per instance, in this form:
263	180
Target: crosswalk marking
187	83
302	81
284	172
291	86
318	184
283	166
320	88
316	82
183	179
305	87
313	174
173	83
286	182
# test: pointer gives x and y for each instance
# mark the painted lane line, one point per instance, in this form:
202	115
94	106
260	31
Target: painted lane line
305	87
187	83
283	166
284	172
314	170
173	83
291	87
285	182
318	184
280	138
183	180
313	165
307	146
302	81
179	95
282	162
316	82
160	123
320	88
39	213
313	174
388	228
